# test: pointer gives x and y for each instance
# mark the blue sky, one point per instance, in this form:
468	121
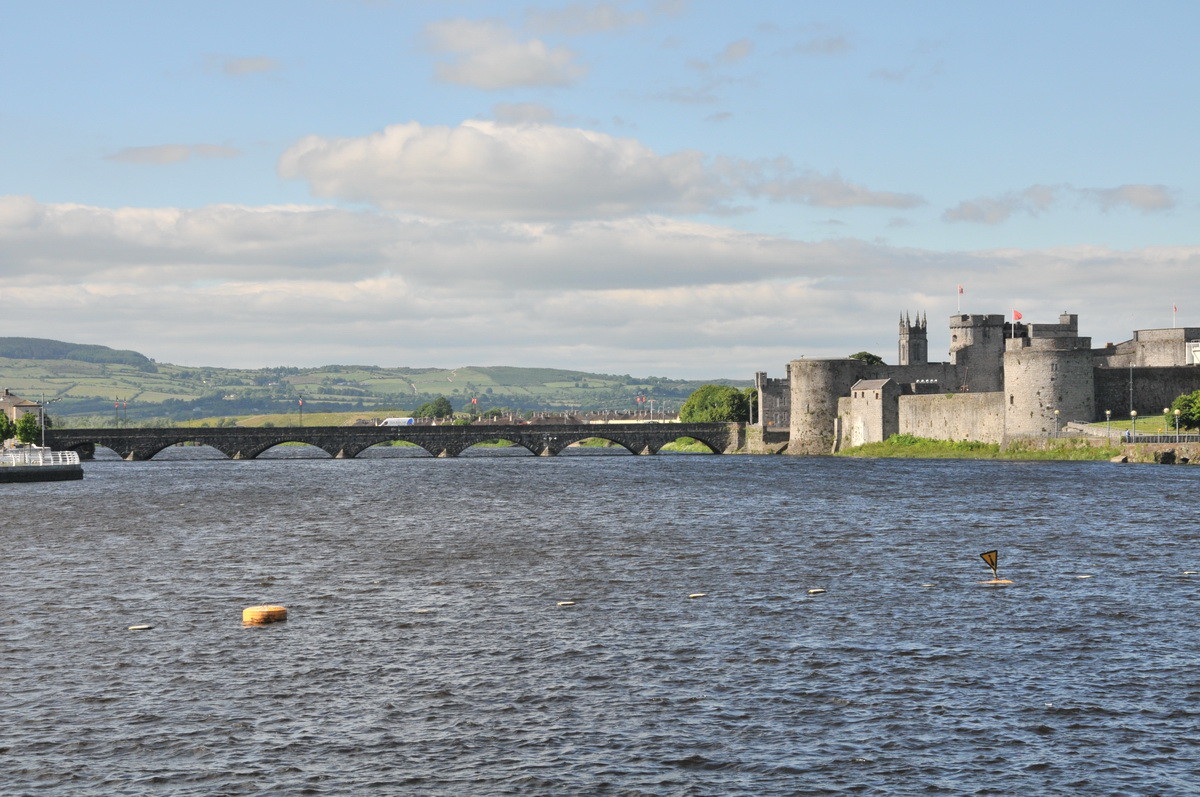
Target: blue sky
676	188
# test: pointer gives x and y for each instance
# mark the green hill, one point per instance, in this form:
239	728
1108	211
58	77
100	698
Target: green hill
84	382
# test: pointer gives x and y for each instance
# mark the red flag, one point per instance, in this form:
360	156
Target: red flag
1174	309
474	401
301	402
116	405
1017	315
960	290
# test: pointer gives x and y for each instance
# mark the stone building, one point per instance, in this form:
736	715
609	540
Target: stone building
15	406
1003	380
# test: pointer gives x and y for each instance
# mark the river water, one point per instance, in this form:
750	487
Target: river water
426	652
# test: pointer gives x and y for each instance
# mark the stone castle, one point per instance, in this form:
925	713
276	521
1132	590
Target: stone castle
1004	380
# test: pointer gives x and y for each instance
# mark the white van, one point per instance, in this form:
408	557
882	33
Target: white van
398	422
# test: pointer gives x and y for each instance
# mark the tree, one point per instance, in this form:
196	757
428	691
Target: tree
7	427
714	404
438	408
28	428
752	407
1189	410
867	357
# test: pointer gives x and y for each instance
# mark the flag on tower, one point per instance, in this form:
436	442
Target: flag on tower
1017	315
960	290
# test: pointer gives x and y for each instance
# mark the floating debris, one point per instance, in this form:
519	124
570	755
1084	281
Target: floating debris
816	591
698	595
140	627
566	603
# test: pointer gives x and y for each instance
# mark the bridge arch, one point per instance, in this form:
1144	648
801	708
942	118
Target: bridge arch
567	441
478	445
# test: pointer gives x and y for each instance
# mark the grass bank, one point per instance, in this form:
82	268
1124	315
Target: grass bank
904	445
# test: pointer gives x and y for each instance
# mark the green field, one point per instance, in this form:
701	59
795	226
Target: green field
907	446
151	393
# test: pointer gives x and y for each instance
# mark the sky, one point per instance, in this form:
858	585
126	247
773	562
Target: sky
679	188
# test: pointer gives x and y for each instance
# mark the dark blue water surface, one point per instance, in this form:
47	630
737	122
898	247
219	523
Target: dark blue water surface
426	653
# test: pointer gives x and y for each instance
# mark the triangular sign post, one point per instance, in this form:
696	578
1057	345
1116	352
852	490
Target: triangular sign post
991	557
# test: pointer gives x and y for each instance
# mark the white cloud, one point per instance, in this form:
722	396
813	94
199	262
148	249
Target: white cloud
575	19
1145	198
487	54
256	286
822	45
172	153
731	54
236	67
523	113
810	187
538	171
1037	199
487	170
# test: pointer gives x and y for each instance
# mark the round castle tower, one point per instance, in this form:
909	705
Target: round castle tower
816	387
1042	375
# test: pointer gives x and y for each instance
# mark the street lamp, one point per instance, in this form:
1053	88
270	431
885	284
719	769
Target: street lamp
42	415
1056	413
1133	431
1176	426
1108	423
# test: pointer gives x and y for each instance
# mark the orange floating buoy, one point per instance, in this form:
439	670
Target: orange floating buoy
258	615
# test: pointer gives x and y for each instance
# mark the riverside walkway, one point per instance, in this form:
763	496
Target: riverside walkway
345	442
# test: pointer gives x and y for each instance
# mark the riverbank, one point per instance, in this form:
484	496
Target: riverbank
1071	448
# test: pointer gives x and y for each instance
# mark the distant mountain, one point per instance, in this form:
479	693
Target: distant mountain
94	382
44	349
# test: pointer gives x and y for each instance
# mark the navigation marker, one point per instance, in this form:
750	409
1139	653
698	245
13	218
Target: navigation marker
992	557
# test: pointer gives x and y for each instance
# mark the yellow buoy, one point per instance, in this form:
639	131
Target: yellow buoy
257	615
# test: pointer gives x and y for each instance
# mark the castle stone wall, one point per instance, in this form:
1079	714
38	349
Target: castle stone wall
1153	389
959	416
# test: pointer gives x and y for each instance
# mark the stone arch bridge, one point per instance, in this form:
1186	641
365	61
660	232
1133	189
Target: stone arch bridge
344	442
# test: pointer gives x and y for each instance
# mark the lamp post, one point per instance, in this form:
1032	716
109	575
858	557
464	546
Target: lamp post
1166	418
1056	414
1176	426
1108	423
1133	431
42	415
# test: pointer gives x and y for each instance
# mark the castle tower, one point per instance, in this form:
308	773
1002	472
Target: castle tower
1048	381
914	341
816	387
977	351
